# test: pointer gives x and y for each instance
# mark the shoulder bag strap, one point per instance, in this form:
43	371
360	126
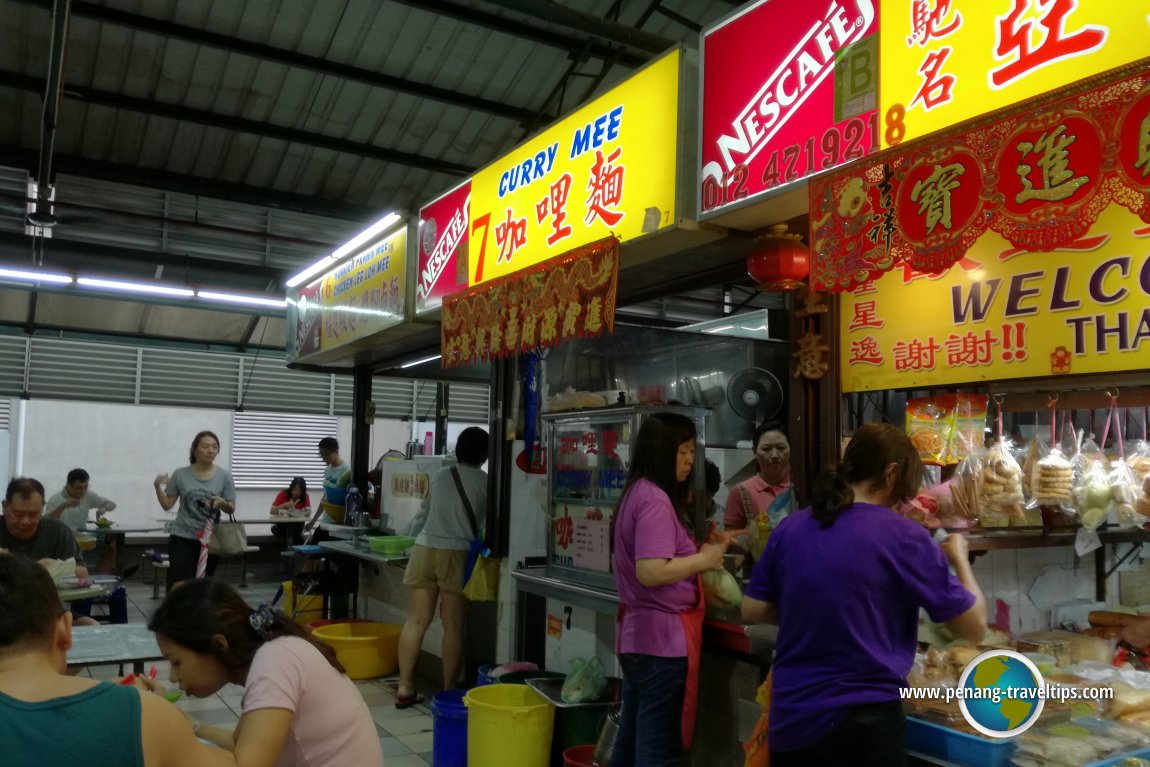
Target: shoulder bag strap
466	501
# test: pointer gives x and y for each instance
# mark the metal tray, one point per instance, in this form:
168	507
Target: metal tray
551	689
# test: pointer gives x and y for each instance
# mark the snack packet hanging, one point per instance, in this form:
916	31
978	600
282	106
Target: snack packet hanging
969	426
930	426
1054	482
1139	462
1000	487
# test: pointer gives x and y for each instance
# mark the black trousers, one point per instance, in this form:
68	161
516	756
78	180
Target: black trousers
183	554
873	735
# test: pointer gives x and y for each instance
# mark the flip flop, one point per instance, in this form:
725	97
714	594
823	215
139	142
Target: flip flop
409	700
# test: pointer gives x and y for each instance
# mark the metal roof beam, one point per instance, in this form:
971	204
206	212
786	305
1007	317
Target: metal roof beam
108	15
597	27
227	122
27	159
65	253
575	46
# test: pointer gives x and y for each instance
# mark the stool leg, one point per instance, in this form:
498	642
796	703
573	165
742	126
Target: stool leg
155	582
243	571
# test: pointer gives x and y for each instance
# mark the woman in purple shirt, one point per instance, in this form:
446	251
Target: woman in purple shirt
845	580
657	568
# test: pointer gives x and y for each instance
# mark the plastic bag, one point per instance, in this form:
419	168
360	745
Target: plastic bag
964	487
1000	487
1124	494
721	590
1092	495
1053	482
930	426
969	426
585	683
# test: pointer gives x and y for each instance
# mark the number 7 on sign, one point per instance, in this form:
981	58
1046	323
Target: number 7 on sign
483	221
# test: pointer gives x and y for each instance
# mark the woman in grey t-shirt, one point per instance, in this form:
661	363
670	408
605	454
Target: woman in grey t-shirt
202	489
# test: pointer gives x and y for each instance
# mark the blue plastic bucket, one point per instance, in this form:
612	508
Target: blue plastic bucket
449	729
484	675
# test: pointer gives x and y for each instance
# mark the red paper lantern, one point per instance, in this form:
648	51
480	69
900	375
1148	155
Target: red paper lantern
779	260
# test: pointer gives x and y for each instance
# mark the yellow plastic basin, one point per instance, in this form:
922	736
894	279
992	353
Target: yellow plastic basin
366	650
86	541
333	511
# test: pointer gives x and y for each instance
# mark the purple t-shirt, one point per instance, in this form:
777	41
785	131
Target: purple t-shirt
646	527
848	599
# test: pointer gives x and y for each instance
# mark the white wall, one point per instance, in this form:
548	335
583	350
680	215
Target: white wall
124	447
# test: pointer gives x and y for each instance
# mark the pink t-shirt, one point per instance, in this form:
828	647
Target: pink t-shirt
646	528
332	726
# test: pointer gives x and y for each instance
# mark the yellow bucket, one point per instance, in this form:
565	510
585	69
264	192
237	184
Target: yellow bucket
366	650
333	511
508	724
305	608
86	541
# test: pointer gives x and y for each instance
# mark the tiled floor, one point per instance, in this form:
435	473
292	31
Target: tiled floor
405	735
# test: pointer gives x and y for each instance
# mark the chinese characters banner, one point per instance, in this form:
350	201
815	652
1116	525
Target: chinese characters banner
569	296
1039	179
443	227
607	169
947	61
777	112
1001	313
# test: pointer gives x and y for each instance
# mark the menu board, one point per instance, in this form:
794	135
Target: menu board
591	547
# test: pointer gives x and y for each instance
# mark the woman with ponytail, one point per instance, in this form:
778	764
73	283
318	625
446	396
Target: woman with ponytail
299	708
844	580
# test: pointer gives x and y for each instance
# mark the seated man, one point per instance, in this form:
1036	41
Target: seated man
72	506
27	531
107	724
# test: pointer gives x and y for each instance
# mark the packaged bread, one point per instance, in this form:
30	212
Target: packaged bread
1129	702
964	492
1053	484
1000	486
1139	463
1124	493
1082	648
1091	494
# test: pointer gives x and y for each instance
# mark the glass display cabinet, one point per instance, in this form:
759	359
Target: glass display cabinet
588	455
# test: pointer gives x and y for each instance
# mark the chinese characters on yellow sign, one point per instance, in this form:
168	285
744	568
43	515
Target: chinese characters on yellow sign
608	168
1002	314
946	61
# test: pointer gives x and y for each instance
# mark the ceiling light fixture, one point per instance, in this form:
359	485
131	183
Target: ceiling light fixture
350	246
237	298
420	362
135	287
28	275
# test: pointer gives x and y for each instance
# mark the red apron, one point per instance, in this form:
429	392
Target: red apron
693	633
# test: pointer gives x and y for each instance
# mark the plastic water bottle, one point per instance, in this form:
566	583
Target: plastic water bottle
352	506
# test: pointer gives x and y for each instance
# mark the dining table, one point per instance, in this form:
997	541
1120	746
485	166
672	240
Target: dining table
120	644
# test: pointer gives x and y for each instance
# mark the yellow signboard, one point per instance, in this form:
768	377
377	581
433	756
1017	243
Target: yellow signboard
608	168
353	301
946	61
1002	314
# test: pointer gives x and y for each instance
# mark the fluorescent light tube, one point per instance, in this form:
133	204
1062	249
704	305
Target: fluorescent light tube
236	298
420	362
350	246
135	287
27	275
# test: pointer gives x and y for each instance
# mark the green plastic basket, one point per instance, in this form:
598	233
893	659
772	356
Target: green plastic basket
390	545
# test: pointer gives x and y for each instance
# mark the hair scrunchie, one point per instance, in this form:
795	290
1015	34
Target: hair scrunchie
261	620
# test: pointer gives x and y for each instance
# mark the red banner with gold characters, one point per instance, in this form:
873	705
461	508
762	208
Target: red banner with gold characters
569	296
1040	179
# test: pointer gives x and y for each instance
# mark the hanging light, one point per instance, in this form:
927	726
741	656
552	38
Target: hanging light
779	261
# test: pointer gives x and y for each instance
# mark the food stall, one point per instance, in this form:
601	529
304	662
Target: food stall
989	285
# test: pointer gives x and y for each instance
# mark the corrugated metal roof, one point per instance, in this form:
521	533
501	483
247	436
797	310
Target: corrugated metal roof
150	94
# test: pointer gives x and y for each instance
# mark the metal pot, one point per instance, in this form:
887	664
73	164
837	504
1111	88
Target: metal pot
608	733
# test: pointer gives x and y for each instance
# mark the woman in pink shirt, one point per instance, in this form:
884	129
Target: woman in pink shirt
657	567
762	501
299	709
